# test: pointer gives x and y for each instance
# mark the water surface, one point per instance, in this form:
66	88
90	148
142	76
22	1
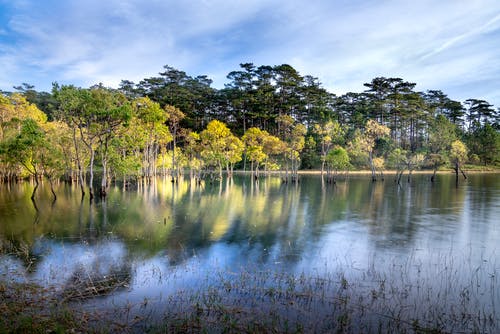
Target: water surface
164	238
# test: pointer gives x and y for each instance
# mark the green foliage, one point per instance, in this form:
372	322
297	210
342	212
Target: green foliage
397	159
253	140
458	152
25	149
442	133
337	158
329	134
219	145
485	143
357	149
277	116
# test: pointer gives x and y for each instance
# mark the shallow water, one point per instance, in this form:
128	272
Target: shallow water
432	243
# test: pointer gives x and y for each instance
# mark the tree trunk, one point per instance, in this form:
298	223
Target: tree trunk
104	181
79	164
463	173
34	191
399	174
433	177
372	167
174	169
91	181
52	188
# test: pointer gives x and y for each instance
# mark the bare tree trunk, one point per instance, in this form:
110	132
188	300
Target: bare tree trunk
52	188
37	183
433	177
91	181
104	181
372	167
79	164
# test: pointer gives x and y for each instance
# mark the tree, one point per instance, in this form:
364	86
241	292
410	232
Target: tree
26	149
220	146
442	133
174	117
329	133
55	161
94	115
414	161
296	145
397	160
192	149
479	112
241	93
72	103
253	140
149	131
458	155
373	131
232	153
336	159
109	110
288	83
192	95
485	142
273	147
489	144
14	111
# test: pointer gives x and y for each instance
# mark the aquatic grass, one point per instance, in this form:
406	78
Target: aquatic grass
400	301
287	303
28	308
444	295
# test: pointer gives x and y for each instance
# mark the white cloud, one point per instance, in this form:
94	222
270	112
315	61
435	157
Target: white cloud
427	42
438	44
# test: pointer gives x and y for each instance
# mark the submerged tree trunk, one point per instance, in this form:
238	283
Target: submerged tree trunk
372	167
457	169
91	180
52	188
104	181
463	173
433	177
399	174
37	183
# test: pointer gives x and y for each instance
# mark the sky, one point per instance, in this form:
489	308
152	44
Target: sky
447	45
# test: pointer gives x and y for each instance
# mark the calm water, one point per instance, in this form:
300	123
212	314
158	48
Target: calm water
167	238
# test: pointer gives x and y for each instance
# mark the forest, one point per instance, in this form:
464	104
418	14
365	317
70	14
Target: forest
266	118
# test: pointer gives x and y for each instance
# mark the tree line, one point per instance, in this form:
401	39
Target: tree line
265	118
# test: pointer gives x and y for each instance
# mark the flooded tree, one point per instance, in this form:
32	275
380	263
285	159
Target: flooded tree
458	154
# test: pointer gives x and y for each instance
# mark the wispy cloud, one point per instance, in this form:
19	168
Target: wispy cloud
440	45
491	25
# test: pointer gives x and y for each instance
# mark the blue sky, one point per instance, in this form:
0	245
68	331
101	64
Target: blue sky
451	45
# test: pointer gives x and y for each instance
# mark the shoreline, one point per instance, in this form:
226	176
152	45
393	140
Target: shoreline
393	172
368	172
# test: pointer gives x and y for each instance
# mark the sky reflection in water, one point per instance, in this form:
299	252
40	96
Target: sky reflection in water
170	237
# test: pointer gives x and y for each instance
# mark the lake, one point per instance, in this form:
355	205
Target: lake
356	255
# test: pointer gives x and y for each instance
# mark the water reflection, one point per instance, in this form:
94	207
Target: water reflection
152	231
